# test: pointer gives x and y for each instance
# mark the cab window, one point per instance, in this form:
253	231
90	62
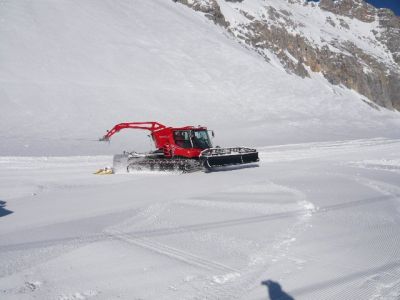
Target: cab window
182	139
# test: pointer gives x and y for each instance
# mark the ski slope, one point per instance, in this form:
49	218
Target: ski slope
69	70
320	219
319	215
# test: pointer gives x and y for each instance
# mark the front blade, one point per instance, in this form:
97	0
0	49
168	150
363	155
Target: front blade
216	157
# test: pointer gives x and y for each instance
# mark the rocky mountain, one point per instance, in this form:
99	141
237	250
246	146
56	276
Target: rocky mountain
349	42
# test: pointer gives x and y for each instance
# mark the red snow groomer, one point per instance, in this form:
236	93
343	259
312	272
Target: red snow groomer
183	149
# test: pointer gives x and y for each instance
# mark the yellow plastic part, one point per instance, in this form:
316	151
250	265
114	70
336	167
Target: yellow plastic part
104	172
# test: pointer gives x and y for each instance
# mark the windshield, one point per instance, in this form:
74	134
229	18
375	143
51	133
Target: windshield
200	139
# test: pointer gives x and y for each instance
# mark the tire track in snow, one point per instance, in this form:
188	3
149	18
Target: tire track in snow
393	193
294	152
163	249
353	278
324	286
206	290
232	282
359	280
384	188
280	250
386	284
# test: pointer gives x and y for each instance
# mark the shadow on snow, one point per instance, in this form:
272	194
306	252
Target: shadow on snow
3	211
275	291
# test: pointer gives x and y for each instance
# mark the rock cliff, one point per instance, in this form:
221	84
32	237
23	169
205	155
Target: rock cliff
349	42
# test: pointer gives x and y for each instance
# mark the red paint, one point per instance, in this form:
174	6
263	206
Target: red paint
165	138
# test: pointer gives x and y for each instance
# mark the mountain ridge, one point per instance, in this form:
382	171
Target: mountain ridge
356	44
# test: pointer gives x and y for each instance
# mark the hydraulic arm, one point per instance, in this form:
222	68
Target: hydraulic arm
152	126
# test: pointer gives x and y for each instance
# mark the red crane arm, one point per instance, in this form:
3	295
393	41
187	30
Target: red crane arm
152	126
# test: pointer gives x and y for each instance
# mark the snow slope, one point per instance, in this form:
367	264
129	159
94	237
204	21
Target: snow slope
319	216
69	70
320	219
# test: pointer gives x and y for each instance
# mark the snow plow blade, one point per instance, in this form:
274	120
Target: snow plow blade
220	157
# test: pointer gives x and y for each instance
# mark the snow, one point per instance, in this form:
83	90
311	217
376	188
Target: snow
62	85
323	224
319	214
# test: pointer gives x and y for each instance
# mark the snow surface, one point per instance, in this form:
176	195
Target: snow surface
321	219
69	70
320	214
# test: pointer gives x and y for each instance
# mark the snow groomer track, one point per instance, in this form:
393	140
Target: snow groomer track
320	219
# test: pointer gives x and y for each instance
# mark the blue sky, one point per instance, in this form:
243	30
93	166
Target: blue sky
392	4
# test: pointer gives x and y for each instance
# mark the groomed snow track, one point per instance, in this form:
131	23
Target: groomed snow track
323	225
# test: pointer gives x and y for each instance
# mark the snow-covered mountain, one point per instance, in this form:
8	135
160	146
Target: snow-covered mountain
69	70
317	218
349	41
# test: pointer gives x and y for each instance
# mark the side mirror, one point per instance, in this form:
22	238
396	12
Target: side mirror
212	133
